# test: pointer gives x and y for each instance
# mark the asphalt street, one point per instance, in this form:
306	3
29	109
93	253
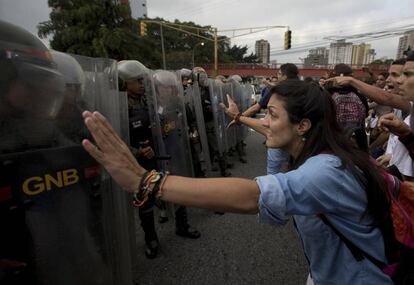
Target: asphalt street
232	249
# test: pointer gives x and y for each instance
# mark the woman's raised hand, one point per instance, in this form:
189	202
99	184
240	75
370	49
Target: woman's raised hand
231	111
111	152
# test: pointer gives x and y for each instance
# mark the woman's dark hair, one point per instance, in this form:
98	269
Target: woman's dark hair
410	55
399	61
343	69
290	70
309	101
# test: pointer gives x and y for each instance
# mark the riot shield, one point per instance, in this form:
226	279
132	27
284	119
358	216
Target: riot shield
167	113
238	94
248	92
101	93
198	135
231	133
63	221
218	129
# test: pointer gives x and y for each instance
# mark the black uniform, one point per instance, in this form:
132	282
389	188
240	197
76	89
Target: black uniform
140	132
211	136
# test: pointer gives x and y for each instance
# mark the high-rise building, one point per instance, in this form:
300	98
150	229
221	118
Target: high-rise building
138	8
340	52
317	56
362	54
370	56
406	42
263	51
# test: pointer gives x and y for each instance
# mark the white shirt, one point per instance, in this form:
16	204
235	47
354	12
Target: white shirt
400	156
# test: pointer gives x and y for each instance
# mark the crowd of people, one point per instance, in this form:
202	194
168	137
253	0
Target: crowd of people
332	147
335	193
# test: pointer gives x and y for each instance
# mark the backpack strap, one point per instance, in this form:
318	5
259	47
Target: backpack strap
357	253
397	187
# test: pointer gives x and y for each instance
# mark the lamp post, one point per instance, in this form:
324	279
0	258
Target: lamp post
200	43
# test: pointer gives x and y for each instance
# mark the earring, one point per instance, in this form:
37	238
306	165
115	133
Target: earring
303	139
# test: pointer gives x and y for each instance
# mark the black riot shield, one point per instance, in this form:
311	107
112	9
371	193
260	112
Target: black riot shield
168	116
62	219
198	135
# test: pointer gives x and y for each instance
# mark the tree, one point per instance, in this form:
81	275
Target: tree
103	28
179	46
238	54
380	61
96	28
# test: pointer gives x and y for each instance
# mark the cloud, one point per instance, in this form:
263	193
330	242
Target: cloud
310	21
25	13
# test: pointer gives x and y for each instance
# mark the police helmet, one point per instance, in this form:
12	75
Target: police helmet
131	69
30	83
71	70
221	78
200	75
165	78
236	78
184	72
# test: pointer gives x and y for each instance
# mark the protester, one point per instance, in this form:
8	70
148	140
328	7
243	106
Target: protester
327	176
391	122
378	95
276	158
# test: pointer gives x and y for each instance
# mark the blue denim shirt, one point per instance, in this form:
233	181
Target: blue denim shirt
319	186
276	158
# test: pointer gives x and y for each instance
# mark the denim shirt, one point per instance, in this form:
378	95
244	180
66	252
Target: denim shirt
276	158
319	186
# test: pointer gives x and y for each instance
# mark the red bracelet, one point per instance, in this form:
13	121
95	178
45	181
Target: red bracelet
236	118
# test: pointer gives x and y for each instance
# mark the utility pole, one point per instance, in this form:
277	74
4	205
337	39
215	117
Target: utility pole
196	33
215	71
164	64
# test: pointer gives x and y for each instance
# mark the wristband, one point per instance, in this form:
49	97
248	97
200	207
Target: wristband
236	118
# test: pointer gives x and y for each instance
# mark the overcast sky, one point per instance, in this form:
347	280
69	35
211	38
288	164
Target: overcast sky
310	21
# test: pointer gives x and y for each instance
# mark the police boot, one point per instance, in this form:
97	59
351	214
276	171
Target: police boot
182	228
223	167
151	238
239	148
163	218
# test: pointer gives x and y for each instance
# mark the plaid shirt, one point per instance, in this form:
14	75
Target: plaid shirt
350	111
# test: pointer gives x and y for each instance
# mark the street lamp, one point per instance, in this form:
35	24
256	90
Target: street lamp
200	43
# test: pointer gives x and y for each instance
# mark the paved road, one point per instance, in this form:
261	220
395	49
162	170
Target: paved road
233	249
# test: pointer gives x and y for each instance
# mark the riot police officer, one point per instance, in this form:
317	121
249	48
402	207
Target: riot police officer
133	75
50	219
200	75
195	122
22	74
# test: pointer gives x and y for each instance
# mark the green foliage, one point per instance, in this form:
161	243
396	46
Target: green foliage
385	61
97	28
102	28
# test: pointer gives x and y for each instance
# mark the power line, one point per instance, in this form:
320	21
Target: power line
358	38
191	11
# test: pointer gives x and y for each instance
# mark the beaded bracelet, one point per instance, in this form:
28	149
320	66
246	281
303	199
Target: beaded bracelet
145	192
236	118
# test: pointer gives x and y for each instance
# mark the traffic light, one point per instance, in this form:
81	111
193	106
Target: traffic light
288	39
143	29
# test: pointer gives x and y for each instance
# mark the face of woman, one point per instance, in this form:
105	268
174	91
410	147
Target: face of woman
281	133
